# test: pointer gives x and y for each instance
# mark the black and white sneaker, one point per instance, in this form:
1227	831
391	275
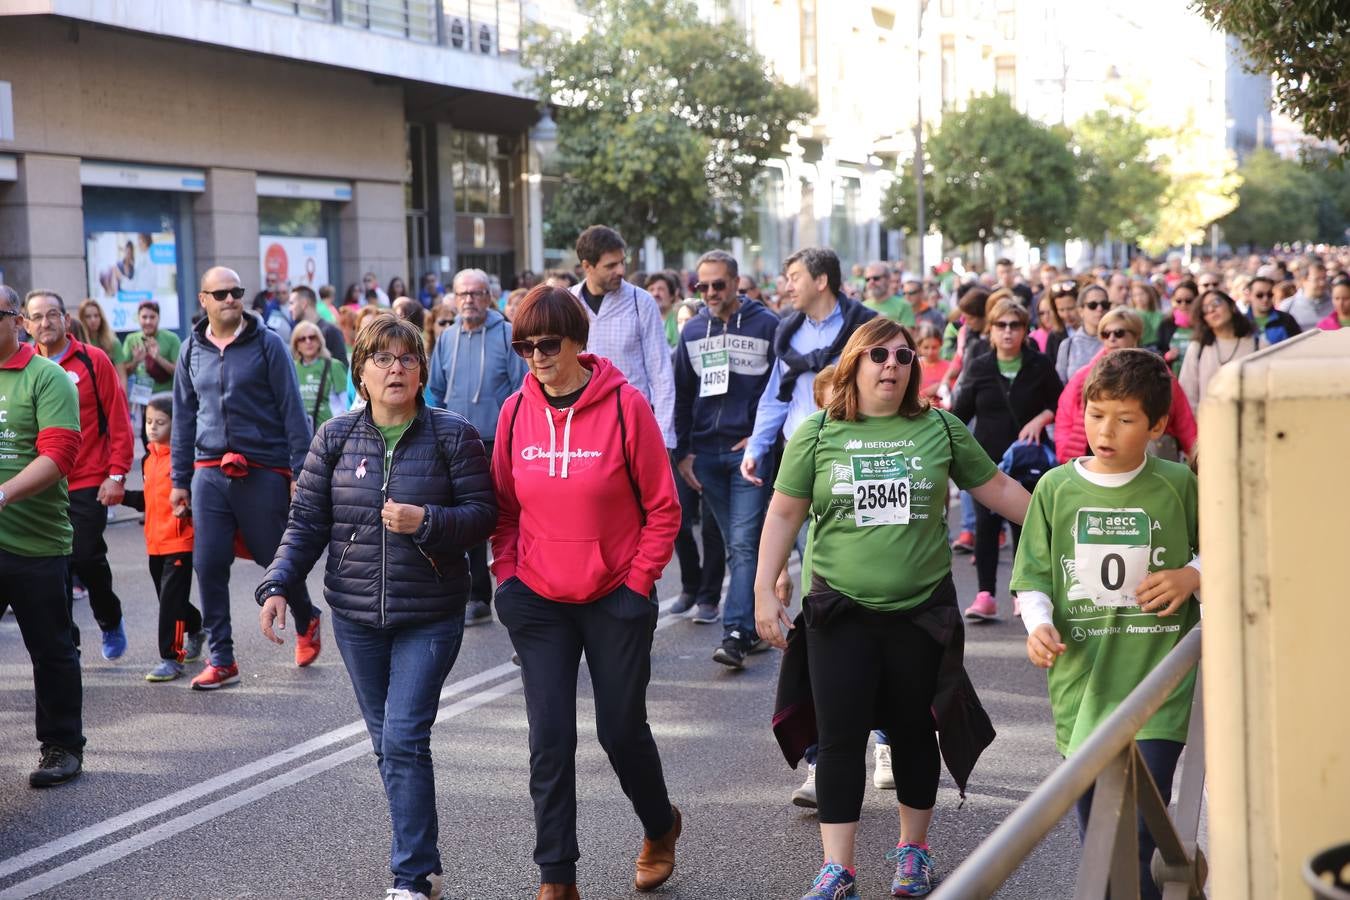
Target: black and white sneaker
56	765
735	648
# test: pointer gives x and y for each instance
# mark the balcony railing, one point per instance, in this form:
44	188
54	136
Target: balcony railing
486	27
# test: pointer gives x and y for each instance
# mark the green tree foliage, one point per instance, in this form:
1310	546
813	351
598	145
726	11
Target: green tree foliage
1305	45
991	171
664	120
1277	202
1120	183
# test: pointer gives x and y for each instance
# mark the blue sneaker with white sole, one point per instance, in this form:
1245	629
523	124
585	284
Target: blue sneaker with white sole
833	883
913	871
115	642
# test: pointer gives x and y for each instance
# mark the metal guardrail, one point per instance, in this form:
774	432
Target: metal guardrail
487	27
1124	791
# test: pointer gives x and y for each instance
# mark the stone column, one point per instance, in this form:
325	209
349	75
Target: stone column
225	228
374	235
42	227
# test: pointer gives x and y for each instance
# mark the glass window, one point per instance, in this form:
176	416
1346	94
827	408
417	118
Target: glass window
482	173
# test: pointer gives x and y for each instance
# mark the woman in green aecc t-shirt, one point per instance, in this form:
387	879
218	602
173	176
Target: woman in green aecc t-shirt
871	470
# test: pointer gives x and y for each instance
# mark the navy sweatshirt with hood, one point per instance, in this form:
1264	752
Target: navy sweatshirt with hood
714	424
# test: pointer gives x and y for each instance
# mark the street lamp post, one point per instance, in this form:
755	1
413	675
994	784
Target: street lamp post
921	226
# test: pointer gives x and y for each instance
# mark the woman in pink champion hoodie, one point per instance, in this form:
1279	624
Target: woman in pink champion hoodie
587	522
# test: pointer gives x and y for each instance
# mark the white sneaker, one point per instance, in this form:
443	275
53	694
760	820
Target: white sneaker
404	894
805	796
883	779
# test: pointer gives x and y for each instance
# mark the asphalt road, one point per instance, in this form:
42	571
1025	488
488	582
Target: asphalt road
270	790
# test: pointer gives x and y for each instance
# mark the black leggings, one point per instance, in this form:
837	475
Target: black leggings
867	669
988	524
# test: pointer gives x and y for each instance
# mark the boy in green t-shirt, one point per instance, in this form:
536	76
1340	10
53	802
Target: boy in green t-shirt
1106	570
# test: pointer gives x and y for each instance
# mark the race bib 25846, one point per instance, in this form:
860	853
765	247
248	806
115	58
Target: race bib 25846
881	490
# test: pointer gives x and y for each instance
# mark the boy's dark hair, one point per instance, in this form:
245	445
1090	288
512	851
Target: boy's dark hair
974	302
596	241
1133	374
161	403
819	261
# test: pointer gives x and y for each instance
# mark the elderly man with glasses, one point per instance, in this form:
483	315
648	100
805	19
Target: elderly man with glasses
240	432
473	371
877	295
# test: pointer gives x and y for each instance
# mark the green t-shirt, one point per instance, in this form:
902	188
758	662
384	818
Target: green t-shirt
1180	338
1009	368
1088	547
894	307
672	328
1152	319
878	491
169	345
309	375
392	435
39	395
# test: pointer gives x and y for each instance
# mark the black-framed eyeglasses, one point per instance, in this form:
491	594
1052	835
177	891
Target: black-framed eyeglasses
470	295
1264	295
1097	304
1008	325
716	284
546	346
220	295
1114	334
879	355
384	359
51	315
876	278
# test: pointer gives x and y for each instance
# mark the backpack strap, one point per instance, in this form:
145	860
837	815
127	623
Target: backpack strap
98	401
511	428
627	466
947	427
318	400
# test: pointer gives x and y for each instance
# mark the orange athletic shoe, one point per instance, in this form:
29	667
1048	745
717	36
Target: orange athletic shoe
213	677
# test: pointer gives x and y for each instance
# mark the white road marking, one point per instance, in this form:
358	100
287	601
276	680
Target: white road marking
125	847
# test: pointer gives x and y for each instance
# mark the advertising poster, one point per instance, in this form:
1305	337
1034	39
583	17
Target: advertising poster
127	267
296	260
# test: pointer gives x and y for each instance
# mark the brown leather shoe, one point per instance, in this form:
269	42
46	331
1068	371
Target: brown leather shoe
656	862
558	892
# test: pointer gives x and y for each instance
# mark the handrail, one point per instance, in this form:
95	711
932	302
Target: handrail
985	870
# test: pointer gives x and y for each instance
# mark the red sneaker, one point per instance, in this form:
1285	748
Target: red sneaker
213	677
308	645
964	543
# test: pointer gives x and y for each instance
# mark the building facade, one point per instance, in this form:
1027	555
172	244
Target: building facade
315	140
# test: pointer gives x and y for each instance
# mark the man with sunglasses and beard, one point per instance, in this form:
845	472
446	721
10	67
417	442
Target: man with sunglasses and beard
231	473
472	372
722	364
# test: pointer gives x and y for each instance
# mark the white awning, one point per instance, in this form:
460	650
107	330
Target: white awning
9	167
304	188
145	178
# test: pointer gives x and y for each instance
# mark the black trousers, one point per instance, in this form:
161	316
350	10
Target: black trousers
89	556
172	575
615	633
480	576
988	524
37	589
701	579
871	668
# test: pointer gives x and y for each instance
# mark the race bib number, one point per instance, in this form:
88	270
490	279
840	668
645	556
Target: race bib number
141	390
716	373
1111	554
880	491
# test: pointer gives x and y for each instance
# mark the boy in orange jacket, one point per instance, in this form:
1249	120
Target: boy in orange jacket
168	540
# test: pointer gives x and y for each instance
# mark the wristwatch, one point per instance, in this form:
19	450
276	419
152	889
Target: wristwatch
268	591
120	479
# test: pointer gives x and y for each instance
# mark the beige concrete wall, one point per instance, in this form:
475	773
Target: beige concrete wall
119	96
225	226
1273	439
42	227
374	237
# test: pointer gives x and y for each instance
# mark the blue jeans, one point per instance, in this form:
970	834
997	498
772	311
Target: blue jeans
739	508
398	674
1160	758
256	507
967	512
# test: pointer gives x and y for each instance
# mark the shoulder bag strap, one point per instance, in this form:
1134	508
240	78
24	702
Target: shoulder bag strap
627	466
93	381
318	400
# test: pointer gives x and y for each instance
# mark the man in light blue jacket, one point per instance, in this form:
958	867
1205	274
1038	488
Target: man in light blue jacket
473	371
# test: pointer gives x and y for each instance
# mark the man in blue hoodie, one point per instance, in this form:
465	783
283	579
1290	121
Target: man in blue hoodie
234	388
722	364
473	371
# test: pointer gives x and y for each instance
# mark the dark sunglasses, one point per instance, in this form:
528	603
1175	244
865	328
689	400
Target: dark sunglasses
1011	325
1182	301
306	338
703	287
1097	304
914	293
445	323
546	346
220	295
879	355
1114	334
1262	295
877	278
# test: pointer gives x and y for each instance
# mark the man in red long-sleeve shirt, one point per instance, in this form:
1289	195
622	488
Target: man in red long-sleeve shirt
39	440
101	467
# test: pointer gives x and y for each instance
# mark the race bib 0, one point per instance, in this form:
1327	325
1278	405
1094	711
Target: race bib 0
880	490
1111	554
141	390
716	373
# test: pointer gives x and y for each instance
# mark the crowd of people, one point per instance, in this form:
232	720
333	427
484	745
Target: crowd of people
545	450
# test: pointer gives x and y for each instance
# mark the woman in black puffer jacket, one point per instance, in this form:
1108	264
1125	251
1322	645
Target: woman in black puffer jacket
395	492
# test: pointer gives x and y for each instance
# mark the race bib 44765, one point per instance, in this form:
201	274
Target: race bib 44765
1111	553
